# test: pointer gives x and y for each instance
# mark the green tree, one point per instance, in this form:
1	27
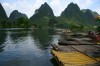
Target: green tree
98	20
23	22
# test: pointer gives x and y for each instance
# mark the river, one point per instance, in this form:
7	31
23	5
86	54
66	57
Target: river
21	47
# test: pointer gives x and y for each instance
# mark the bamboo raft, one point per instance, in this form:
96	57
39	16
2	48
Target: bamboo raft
76	52
76	55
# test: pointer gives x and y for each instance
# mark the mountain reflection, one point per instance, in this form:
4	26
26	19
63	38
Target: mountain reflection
42	37
2	40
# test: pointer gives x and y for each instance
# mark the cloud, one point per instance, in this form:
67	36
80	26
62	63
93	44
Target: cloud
23	6
58	6
98	10
84	3
29	6
8	8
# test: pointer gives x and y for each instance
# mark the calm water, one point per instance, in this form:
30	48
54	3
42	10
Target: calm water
26	47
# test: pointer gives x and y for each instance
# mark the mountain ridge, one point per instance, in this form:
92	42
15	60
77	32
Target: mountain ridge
75	15
16	14
2	13
42	15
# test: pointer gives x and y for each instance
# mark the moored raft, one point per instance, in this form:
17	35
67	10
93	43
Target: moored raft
76	41
73	59
77	55
76	50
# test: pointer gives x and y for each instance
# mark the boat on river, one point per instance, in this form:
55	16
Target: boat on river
76	51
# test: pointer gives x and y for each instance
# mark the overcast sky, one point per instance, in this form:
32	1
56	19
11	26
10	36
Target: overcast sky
29	6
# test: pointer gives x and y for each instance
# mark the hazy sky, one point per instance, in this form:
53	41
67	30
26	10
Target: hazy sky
29	6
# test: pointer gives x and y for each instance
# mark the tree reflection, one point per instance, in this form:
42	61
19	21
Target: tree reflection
42	38
51	31
15	35
2	40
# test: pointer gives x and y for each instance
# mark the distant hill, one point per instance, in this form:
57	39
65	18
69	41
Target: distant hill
16	14
18	19
2	13
95	14
42	15
73	15
71	11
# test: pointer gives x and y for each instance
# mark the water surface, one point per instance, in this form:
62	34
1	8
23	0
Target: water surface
22	47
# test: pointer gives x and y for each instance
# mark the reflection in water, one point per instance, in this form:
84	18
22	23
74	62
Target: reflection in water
16	35
42	37
2	40
26	48
1	48
51	31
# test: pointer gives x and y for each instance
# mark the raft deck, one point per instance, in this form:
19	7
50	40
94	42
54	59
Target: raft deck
77	55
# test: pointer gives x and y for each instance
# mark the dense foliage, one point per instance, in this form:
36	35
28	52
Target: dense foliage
20	22
98	20
2	13
72	17
42	16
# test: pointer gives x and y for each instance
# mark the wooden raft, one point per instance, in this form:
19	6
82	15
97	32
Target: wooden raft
77	55
72	59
